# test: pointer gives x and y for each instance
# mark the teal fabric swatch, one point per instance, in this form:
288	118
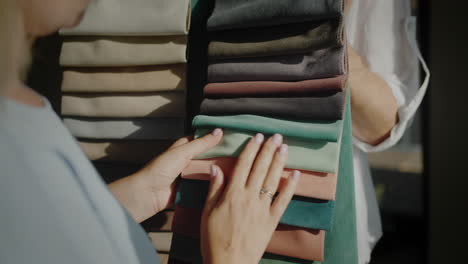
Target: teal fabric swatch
302	211
311	155
315	130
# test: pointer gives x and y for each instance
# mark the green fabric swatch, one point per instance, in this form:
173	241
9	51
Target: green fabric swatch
316	130
303	212
311	155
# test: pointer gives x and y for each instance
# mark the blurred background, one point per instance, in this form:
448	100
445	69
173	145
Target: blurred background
420	182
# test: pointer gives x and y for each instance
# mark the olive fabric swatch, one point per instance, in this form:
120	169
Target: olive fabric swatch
254	13
125	151
134	18
323	130
160	104
324	63
137	128
275	89
301	212
286	240
276	40
303	154
125	79
324	107
93	51
311	184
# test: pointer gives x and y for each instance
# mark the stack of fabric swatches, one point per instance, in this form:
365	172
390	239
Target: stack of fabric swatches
124	81
278	67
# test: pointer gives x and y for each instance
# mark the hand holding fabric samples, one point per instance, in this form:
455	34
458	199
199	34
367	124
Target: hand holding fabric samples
241	213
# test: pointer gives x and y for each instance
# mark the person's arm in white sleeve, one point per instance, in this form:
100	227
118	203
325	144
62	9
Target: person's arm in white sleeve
383	59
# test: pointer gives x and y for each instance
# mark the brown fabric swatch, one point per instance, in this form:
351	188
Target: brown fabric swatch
163	104
125	79
274	89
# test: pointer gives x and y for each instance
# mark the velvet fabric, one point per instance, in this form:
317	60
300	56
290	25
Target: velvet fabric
276	40
311	155
137	128
275	89
125	79
323	130
324	63
124	151
328	106
255	13
312	184
286	240
301	212
164	104
93	51
134	18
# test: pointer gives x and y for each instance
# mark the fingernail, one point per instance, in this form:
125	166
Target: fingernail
216	132
259	138
277	139
283	149
213	171
296	174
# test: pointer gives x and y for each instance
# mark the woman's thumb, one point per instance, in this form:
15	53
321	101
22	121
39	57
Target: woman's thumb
216	188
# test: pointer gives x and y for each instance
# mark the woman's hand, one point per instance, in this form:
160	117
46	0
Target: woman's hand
152	189
239	216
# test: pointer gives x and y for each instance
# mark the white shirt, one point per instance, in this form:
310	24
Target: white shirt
380	31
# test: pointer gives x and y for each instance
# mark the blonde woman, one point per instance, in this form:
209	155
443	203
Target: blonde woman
54	207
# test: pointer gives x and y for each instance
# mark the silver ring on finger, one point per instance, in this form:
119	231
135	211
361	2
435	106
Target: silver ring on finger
265	191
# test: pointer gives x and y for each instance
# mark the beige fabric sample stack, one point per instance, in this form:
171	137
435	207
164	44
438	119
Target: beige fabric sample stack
124	68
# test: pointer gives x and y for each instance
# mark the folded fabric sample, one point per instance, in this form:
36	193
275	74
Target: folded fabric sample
160	222
324	63
163	258
311	155
136	17
286	240
139	152
123	51
275	89
312	184
327	106
253	13
141	128
320	130
301	212
164	104
276	40
161	240
128	79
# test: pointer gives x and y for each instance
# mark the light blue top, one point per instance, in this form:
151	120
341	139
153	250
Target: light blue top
54	208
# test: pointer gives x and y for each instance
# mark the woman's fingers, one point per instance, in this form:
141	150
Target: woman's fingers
285	195
181	141
273	177
263	162
216	188
202	144
244	163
